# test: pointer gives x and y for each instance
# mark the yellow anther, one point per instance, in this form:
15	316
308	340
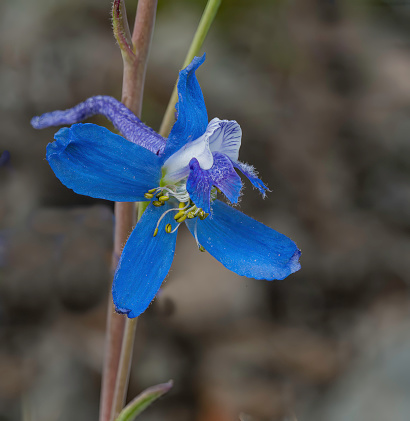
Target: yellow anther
148	195
163	198
152	191
168	228
182	219
159	194
219	191
201	248
179	214
181	205
156	203
155	232
191	215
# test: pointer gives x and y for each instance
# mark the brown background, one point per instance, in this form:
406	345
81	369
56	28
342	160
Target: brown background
321	90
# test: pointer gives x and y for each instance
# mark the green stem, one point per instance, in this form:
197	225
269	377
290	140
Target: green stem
196	44
124	367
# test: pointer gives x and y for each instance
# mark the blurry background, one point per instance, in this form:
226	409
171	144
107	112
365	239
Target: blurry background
321	89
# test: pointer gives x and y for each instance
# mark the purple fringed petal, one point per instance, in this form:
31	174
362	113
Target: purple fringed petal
129	125
250	172
221	175
199	185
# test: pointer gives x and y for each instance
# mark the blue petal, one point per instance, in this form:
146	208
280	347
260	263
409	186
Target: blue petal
144	263
95	162
221	175
199	185
192	118
244	245
250	172
129	125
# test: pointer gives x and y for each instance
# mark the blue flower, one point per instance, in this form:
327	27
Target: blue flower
181	177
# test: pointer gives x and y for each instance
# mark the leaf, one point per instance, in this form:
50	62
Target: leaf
143	400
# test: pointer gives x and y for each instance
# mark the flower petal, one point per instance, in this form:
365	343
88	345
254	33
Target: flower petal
176	167
225	138
95	162
244	245
129	125
250	172
199	185
144	263
221	175
192	118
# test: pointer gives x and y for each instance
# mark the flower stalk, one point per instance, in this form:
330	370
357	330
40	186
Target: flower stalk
117	358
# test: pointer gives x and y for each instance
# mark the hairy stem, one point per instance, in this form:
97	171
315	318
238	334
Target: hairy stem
196	44
117	359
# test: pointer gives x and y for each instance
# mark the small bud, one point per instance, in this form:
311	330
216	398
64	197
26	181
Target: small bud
121	30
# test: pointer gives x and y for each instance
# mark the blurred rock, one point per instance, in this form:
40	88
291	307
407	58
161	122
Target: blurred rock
322	93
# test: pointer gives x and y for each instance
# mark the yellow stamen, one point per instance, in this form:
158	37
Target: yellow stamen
182	219
168	228
148	195
155	232
157	204
179	214
163	198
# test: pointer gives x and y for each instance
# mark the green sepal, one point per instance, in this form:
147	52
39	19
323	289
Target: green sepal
143	400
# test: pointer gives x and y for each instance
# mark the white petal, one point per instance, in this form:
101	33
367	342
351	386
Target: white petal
177	165
225	137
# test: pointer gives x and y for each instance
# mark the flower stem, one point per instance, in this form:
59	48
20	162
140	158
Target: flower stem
196	44
120	335
124	367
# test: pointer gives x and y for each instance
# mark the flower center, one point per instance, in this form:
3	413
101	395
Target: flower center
185	210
